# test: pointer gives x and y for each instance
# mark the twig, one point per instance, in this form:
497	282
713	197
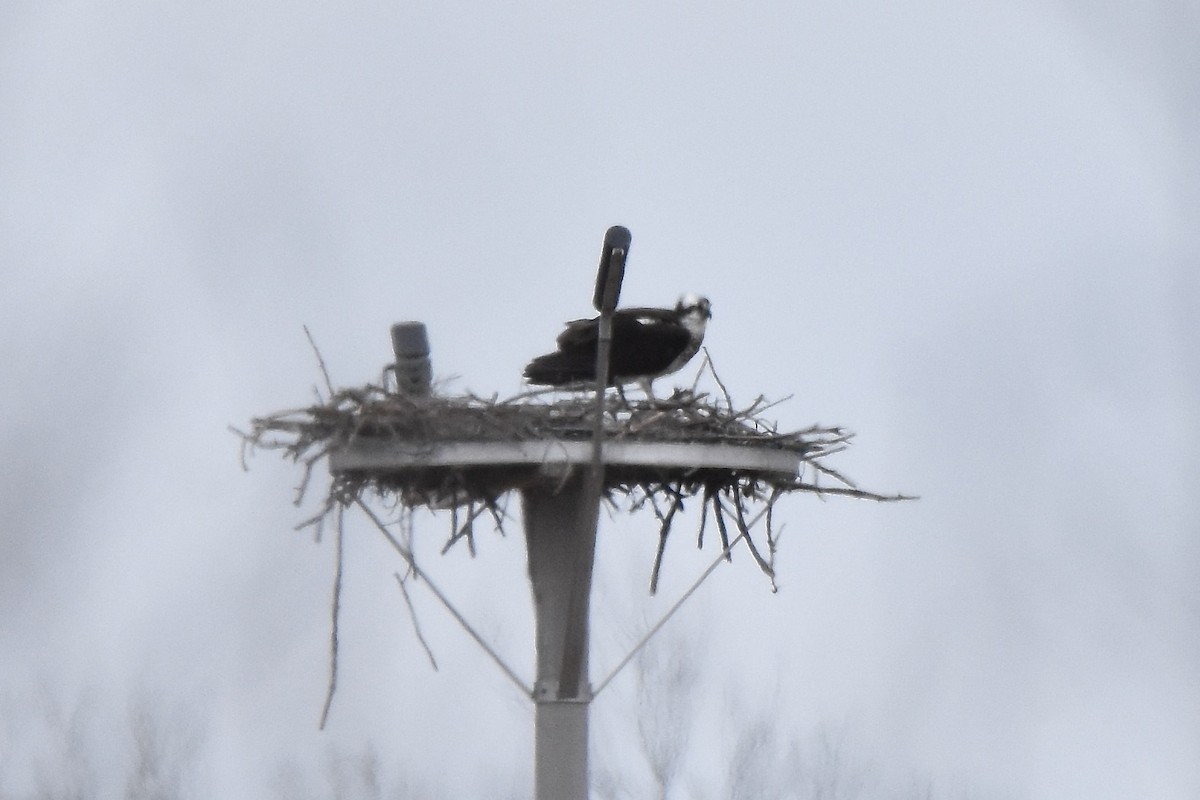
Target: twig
741	521
467	529
700	372
713	371
663	530
320	362
720	517
317	520
309	463
708	496
333	631
772	534
859	493
245	437
833	473
498	515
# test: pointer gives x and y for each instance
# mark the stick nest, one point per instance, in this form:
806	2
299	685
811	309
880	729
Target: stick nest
736	499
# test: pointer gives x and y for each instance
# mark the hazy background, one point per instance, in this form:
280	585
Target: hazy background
970	234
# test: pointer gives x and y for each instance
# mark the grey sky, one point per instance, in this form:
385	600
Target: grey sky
968	233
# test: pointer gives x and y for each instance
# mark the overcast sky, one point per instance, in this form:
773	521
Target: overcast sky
971	233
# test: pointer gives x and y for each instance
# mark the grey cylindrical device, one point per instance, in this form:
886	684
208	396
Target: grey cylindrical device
413	370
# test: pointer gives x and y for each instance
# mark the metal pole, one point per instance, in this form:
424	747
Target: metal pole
556	549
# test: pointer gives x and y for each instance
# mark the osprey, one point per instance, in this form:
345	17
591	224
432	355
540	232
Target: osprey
647	343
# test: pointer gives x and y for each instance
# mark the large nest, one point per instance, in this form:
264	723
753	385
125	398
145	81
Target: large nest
737	499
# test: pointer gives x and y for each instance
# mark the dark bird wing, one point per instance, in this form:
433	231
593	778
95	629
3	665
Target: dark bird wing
646	342
579	333
586	332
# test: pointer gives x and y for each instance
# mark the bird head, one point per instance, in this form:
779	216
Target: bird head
693	305
694	313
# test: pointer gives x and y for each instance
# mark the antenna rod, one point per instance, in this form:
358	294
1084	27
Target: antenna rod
608	290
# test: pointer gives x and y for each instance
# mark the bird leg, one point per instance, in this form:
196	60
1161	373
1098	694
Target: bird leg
646	385
621	393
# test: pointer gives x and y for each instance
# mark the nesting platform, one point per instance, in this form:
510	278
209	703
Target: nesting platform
460	450
493	467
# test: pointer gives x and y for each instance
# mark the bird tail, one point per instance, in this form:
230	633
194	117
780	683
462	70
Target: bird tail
557	369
